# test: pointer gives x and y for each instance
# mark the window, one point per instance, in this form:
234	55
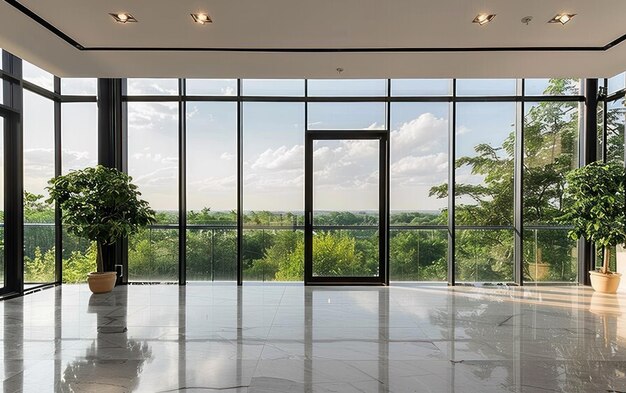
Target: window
79	149
421	87
616	83
616	117
419	187
347	88
347	116
39	230
273	185
485	140
211	191
37	76
551	87
157	87
211	87
550	152
273	87
79	86
153	164
485	87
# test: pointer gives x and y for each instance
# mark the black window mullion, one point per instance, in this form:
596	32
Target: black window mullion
518	200
58	157
451	188
182	183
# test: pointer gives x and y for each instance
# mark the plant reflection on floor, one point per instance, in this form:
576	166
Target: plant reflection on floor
551	333
100	368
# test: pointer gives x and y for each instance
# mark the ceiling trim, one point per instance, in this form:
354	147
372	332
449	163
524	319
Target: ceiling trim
47	25
44	23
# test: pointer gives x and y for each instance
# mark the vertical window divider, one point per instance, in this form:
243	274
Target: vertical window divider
605	130
58	157
182	182
308	187
239	186
451	188
123	164
387	147
518	173
13	177
587	135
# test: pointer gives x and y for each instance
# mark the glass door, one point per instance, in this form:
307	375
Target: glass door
346	207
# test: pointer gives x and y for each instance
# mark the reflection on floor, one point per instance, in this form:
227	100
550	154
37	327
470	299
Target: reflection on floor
287	338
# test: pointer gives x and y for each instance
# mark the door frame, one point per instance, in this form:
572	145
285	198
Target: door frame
383	209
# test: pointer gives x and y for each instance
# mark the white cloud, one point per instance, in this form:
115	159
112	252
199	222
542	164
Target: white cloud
289	180
375	126
153	115
427	133
151	87
227	183
228	91
227	156
194	111
420	165
155	158
463	130
77	159
280	159
161	178
39	162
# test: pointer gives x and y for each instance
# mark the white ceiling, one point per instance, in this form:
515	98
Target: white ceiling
326	24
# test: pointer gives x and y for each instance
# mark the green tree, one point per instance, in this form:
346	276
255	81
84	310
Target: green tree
550	130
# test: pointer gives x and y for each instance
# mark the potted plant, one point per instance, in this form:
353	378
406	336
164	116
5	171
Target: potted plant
595	207
102	205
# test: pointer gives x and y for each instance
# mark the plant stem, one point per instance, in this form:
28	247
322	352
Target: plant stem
99	260
605	263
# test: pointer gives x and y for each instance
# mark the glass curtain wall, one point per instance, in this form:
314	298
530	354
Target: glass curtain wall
262	123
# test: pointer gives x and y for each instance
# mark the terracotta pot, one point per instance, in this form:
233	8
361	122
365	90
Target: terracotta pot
101	282
604	283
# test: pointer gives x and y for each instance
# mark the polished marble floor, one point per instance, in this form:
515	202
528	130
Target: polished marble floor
287	338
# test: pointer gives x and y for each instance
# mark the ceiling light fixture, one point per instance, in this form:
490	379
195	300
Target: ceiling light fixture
123	17
201	18
482	19
562	18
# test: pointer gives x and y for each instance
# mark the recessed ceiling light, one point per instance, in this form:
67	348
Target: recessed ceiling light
123	17
562	18
201	18
482	19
